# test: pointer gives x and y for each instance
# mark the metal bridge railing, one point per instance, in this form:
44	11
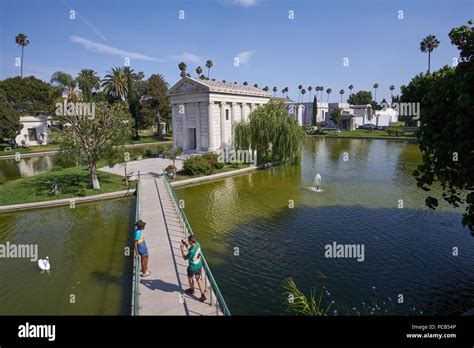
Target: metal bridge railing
219	301
136	259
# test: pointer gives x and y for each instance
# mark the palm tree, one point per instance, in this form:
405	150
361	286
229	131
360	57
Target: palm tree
303	92
246	83
66	82
341	92
428	44
328	91
209	65
310	89
199	71
392	88
300	87
321	88
266	88
115	83
88	80
376	85
285	90
182	67
275	90
255	85
21	40
351	87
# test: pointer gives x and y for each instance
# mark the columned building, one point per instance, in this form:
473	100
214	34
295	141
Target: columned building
204	112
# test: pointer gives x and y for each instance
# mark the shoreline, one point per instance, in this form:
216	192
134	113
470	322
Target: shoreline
414	140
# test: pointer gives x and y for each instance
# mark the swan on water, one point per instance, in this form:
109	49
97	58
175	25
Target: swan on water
43	264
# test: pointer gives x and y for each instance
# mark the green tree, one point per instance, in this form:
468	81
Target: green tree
10	125
199	71
266	88
246	83
29	95
303	92
64	83
276	137
336	116
274	91
133	100
115	84
351	87
341	92
310	89
446	124
392	88
182	67
376	85
360	98
428	44
328	91
86	140
209	65
315	111
22	41
87	81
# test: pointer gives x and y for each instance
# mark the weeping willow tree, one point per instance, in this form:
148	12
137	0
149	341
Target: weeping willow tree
275	136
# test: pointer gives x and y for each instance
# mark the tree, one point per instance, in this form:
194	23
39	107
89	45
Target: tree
351	87
341	92
198	70
328	91
275	90
285	90
182	67
29	95
133	99
255	85
10	125
266	88
246	83
87	81
315	111
360	98
310	89
303	92
96	138
22	41
209	65
65	83
154	100
115	83
428	44
392	88
276	137
376	85
300	87
321	88
173	154
446	123
336	116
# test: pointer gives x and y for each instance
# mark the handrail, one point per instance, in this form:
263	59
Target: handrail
136	259
189	231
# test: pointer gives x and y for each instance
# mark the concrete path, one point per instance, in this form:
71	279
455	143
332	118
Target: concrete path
149	166
162	293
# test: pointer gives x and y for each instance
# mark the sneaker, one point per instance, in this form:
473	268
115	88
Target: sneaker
203	298
189	291
145	274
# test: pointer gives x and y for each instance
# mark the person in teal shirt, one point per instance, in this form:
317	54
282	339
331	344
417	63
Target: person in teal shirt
141	248
192	253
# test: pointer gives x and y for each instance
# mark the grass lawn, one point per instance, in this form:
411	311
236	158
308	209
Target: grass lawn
226	168
149	139
71	181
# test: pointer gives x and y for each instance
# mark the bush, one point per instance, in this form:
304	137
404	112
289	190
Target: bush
56	168
149	153
395	132
163	148
204	164
237	165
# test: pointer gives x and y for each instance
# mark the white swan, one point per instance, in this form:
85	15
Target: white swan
43	264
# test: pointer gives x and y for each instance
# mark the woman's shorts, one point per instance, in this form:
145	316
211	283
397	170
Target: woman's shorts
196	273
142	249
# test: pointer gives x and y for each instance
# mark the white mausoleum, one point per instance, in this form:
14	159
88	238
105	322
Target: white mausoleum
34	131
204	112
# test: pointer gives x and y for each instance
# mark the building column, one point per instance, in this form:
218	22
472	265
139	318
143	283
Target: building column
223	105
182	107
242	112
212	145
252	107
198	126
174	121
232	121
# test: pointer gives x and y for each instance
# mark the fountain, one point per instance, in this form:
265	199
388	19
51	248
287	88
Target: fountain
317	184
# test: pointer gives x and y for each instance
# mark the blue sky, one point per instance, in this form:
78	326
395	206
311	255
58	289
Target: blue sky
274	50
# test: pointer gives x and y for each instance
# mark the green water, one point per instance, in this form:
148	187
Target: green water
90	275
254	241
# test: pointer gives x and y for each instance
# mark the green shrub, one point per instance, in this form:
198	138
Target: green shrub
395	132
149	153
56	168
163	148
204	164
237	165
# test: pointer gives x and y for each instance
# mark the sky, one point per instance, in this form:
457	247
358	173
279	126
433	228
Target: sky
333	43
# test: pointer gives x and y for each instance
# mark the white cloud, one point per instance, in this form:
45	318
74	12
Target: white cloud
101	48
244	57
245	3
189	58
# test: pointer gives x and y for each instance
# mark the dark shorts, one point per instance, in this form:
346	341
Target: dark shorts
142	249
196	273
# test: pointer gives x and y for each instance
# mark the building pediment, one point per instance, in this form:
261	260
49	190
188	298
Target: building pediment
186	86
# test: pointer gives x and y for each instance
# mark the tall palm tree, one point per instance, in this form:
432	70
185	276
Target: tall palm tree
351	87
321	88
275	90
328	91
21	40
115	83
376	85
341	92
303	92
266	88
285	90
310	89
392	88
199	71
209	65
428	44
88	80
182	67
255	85
246	83
66	82
300	87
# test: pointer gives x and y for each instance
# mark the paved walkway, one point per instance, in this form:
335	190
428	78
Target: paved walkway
162	293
